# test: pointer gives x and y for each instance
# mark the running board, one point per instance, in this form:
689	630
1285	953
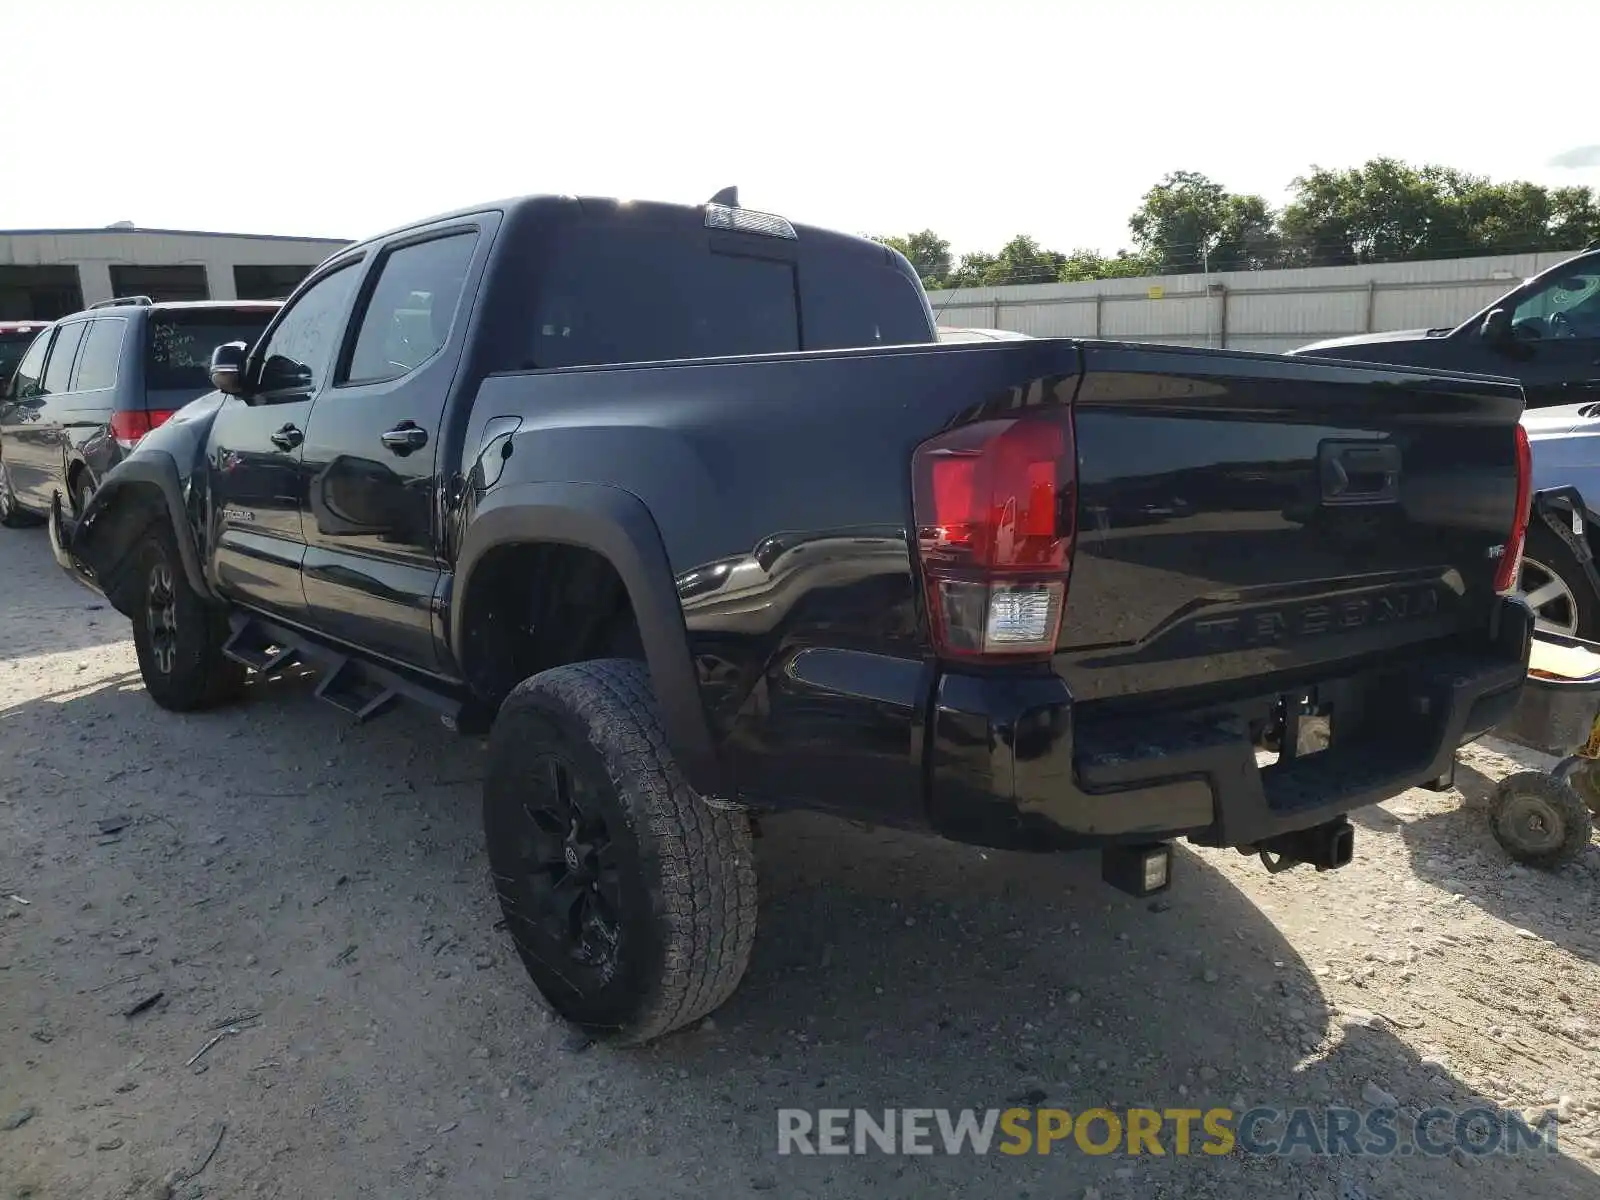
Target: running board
251	646
349	688
356	686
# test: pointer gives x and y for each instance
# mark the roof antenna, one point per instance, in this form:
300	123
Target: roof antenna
728	196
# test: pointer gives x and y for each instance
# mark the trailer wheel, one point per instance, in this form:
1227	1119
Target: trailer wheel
1585	780
1539	819
631	901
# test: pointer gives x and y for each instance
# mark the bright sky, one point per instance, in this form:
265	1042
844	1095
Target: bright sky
978	119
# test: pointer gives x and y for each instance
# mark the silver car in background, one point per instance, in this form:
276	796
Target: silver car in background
951	333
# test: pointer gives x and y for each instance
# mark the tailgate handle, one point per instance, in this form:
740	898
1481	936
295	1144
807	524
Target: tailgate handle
1359	472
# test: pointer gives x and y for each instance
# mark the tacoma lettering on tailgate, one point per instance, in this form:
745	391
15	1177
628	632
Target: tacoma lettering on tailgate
1293	622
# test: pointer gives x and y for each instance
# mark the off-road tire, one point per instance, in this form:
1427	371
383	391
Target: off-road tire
683	872
180	659
1564	823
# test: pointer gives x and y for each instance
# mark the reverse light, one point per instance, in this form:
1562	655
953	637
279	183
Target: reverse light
1505	576
995	504
131	425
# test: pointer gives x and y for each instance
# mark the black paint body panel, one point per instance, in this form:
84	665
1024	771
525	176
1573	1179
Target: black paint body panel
758	512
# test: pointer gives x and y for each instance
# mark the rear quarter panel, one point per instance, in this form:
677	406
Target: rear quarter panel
781	489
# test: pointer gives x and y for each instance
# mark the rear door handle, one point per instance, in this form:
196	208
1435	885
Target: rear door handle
288	437
405	437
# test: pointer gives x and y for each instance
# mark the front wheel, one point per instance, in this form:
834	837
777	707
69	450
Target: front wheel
177	636
631	901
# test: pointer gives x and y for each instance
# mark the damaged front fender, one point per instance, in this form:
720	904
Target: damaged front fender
154	483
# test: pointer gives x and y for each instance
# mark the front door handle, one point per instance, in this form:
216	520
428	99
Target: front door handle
405	437
288	438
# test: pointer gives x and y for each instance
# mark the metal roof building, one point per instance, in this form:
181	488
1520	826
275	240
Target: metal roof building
47	273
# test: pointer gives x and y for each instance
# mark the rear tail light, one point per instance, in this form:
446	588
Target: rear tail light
128	427
995	504
1505	577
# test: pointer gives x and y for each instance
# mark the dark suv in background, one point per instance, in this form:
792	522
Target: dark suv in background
90	387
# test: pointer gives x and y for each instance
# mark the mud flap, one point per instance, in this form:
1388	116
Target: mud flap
1563	511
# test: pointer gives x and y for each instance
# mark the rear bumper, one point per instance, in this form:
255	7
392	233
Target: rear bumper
1014	766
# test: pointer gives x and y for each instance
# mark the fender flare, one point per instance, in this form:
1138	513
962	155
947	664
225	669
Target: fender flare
616	525
158	469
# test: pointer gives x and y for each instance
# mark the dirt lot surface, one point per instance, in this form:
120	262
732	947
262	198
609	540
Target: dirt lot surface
338	1015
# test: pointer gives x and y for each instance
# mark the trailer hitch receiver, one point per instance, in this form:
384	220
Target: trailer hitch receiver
1326	847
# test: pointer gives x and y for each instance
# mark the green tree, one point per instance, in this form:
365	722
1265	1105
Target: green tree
1382	211
1189	222
1574	217
1022	260
927	252
972	270
1388	211
1083	265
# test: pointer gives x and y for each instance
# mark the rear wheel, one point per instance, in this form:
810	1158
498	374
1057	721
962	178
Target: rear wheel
1555	587
177	636
12	515
632	902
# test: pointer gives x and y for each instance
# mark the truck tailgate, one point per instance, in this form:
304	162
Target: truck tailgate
1254	517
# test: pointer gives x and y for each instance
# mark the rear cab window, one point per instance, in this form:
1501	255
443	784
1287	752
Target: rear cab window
180	341
610	295
618	295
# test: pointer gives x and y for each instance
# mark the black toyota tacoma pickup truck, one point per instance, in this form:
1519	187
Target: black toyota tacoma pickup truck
687	509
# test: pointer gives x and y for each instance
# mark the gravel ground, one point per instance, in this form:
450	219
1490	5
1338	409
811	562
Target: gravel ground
338	1015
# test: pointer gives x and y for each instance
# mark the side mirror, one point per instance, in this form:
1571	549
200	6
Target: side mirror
1496	327
227	367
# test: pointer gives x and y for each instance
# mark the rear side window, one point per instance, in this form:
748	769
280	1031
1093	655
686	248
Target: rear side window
58	371
411	307
616	296
97	361
178	351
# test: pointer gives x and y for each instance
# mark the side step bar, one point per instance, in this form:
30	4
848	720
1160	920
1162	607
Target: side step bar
356	686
